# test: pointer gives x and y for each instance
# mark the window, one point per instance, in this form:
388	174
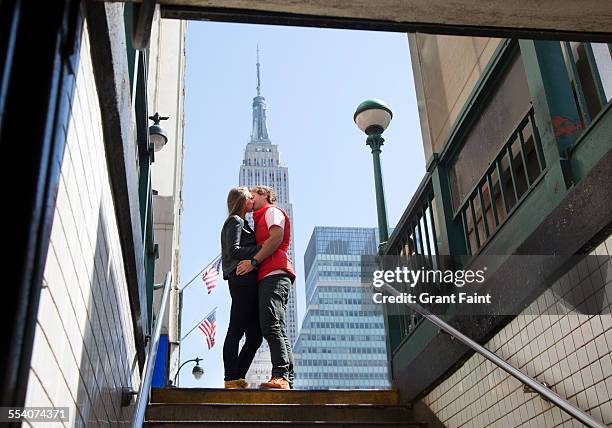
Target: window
589	66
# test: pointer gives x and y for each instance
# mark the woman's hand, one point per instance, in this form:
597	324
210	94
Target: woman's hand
244	267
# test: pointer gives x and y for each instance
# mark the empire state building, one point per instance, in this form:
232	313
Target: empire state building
262	167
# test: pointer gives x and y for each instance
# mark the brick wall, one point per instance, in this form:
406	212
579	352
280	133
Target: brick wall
84	349
571	352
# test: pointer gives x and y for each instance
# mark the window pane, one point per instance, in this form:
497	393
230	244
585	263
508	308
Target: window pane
601	51
587	79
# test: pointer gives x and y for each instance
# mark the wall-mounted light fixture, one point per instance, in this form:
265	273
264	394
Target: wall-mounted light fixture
157	134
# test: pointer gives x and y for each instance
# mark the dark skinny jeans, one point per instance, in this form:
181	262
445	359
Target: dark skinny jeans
273	297
244	320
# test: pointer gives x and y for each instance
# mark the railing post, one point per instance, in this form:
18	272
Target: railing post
450	240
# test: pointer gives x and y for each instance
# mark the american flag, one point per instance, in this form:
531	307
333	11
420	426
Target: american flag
209	328
211	275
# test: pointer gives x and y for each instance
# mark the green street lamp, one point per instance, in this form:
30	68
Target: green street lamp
373	117
197	371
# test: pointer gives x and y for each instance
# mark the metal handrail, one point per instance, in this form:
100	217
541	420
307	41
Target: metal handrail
545	392
145	381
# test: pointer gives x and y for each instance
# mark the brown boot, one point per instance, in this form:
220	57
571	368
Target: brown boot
233	384
243	383
275	382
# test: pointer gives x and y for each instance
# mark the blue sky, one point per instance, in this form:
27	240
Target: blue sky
312	79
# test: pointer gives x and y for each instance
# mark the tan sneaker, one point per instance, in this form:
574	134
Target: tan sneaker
243	383
233	384
275	382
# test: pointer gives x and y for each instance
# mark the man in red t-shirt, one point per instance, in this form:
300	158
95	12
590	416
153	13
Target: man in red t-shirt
275	276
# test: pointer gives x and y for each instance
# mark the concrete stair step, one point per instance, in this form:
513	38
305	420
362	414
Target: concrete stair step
366	413
293	424
262	396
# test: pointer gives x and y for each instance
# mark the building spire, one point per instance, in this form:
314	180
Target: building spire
258	76
260	127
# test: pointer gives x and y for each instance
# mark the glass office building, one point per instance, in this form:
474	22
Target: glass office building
342	341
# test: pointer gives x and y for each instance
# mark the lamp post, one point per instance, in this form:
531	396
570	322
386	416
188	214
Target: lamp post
373	117
197	370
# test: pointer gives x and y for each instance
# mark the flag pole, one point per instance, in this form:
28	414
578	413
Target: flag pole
196	326
199	273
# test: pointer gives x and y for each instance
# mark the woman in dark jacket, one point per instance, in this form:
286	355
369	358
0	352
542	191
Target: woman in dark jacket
238	243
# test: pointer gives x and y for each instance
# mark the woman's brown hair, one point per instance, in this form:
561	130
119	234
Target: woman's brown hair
236	200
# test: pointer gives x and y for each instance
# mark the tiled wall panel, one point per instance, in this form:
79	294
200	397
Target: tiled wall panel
84	350
571	352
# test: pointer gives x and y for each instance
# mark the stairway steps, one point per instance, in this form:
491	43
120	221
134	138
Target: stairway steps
293	424
228	408
365	413
259	396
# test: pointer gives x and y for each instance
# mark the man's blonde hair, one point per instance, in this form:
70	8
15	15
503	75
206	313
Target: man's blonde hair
265	190
236	200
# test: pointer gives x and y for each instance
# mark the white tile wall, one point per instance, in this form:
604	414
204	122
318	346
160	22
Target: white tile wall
571	352
84	348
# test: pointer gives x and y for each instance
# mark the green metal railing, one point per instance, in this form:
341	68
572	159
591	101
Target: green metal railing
515	169
416	230
415	235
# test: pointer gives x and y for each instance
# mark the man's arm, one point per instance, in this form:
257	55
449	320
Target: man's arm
269	246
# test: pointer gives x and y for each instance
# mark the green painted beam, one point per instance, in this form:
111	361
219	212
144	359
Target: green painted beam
555	110
593	144
416	343
450	239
